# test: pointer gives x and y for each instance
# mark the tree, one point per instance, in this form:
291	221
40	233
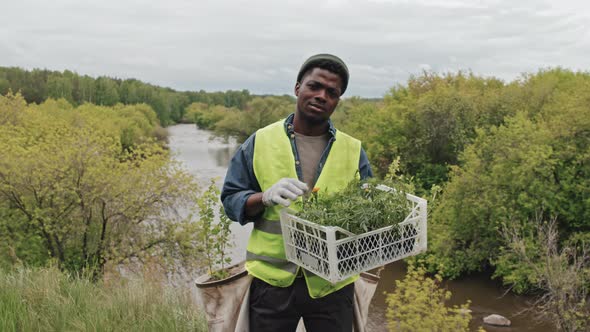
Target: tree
11	107
106	91
87	89
427	123
65	176
259	112
60	87
4	86
237	99
536	163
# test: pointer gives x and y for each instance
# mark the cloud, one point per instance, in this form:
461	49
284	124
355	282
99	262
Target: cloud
260	44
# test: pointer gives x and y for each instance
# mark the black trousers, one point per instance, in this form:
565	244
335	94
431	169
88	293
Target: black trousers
279	309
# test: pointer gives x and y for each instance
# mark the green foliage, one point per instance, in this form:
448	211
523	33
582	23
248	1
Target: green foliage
17	244
359	208
60	87
106	91
426	123
258	113
239	123
213	236
522	278
418	304
474	202
88	186
206	116
237	99
228	99
362	119
362	206
49	300
562	273
535	164
38	85
134	125
11	108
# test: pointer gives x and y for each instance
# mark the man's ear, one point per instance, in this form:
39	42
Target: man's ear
297	86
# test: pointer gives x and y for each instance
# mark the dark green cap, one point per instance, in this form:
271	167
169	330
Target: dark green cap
318	60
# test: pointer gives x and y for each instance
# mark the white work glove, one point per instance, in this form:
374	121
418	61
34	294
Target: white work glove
283	192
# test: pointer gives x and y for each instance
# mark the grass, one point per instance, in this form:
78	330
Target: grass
49	300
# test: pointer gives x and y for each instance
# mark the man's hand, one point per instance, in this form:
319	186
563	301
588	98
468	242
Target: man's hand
283	192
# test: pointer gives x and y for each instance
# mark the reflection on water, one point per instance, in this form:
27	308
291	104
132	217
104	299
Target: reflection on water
204	157
487	297
208	159
222	155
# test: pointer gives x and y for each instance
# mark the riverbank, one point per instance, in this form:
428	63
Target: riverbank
487	297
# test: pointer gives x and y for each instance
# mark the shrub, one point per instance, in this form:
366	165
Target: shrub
418	304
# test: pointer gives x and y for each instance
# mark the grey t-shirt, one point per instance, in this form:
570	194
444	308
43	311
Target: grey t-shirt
310	149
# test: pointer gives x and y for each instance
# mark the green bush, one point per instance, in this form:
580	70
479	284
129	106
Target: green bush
533	167
88	186
418	304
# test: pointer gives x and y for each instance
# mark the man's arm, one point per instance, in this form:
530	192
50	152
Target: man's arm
254	205
364	166
241	194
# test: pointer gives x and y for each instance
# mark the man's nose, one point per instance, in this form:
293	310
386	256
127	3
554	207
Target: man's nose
321	95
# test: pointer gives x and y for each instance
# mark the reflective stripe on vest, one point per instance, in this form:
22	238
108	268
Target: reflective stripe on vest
274	160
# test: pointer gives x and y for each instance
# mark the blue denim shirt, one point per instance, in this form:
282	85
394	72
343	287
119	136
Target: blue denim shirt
240	181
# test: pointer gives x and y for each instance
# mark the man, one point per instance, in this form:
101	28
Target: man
275	167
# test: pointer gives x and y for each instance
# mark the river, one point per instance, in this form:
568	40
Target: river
207	158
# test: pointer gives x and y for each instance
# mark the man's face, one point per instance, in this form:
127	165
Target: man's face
318	94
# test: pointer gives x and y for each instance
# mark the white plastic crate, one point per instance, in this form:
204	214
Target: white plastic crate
336	254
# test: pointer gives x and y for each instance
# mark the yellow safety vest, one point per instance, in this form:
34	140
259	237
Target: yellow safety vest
273	160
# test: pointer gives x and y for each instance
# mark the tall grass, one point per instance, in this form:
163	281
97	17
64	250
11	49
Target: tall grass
49	300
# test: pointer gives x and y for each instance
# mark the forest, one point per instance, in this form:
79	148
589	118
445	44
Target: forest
39	84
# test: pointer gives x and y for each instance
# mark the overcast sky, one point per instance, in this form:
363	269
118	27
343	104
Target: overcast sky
260	44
